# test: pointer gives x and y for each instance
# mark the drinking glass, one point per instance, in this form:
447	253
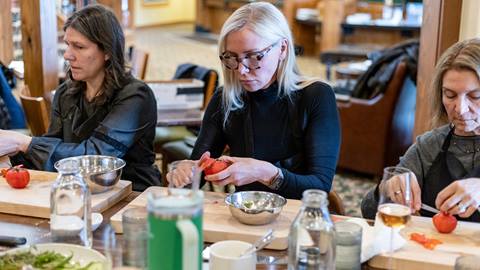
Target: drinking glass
395	201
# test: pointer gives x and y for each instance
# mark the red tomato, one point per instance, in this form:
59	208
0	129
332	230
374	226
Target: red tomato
17	177
207	163
444	222
216	166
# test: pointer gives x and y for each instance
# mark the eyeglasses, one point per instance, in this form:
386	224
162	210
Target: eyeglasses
251	60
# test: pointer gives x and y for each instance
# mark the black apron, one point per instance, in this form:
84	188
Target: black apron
439	177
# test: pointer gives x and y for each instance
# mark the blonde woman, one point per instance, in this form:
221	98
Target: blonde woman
282	129
446	160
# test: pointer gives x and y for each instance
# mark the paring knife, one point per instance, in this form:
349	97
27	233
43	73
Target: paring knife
11	241
429	208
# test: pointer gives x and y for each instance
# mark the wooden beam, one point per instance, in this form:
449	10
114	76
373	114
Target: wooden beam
333	16
39	43
440	30
115	6
6	32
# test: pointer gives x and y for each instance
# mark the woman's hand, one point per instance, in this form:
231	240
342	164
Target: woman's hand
461	197
396	188
244	171
12	142
182	172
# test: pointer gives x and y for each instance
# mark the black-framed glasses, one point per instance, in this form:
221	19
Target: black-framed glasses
251	60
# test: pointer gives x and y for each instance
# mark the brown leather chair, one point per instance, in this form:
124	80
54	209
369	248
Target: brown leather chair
36	112
335	203
376	132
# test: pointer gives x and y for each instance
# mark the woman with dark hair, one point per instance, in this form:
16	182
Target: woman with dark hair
99	110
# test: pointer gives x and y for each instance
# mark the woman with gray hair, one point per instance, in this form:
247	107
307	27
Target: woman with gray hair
281	128
446	160
99	110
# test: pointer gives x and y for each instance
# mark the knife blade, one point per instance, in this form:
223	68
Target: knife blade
429	208
12	241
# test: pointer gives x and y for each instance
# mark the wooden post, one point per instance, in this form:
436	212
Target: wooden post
440	30
115	6
6	32
333	16
39	43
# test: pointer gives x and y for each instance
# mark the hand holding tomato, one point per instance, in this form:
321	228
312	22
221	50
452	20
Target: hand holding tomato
17	177
212	166
444	222
461	197
240	171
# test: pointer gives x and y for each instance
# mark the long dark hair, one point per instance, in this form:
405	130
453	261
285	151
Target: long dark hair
99	25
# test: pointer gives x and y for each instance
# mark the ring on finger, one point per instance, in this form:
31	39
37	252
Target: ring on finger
461	208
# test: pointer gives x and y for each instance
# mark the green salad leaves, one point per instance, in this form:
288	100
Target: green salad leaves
47	260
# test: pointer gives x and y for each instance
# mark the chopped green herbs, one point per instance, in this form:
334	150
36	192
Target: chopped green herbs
248	204
47	260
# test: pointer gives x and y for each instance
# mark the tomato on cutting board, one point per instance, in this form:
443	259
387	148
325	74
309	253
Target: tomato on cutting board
17	177
444	222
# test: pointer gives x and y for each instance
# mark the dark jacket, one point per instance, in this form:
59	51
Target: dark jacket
384	63
123	127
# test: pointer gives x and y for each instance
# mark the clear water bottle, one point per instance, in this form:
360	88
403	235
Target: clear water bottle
311	242
70	206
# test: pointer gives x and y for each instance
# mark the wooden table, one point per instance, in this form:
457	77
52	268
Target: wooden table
36	230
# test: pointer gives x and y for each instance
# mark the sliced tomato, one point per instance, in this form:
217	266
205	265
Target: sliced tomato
428	243
419	238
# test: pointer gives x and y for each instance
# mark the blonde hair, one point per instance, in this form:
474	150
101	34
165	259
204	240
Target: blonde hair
266	21
463	55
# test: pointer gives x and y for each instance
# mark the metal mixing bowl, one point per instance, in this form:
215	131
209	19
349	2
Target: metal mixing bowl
255	207
100	172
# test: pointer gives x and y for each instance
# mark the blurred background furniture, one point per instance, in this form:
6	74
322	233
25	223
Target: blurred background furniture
138	62
167	134
377	131
36	112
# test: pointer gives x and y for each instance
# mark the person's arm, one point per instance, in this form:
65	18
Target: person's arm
418	158
211	137
132	113
321	144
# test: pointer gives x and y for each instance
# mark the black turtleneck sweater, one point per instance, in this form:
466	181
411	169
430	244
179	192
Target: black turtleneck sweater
300	135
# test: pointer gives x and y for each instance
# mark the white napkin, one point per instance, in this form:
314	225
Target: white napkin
5	162
376	239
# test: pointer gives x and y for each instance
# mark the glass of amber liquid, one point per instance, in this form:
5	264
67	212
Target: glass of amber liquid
395	201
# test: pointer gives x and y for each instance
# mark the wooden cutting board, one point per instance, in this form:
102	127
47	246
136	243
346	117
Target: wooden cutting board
464	240
218	223
34	200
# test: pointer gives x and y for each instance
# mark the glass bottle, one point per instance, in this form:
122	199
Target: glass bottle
311	242
70	206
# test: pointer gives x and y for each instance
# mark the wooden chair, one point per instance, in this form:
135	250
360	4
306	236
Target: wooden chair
139	62
36	112
335	203
376	132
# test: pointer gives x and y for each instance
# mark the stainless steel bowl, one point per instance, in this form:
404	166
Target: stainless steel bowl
100	172
255	207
